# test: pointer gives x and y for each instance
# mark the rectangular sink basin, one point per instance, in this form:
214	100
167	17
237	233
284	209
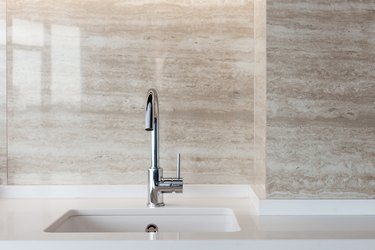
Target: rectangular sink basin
136	220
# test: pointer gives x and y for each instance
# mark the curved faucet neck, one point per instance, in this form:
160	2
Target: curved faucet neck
152	124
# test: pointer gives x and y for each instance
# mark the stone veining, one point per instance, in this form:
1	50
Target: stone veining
320	99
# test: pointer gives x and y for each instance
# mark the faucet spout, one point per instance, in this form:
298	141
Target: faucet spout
152	124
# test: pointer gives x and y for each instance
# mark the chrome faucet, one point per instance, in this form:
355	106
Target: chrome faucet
157	185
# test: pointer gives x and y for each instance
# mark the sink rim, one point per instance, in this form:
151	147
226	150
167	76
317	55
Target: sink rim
159	212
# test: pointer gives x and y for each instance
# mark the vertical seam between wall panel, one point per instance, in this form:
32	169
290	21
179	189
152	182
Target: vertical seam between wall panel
260	90
6	96
264	91
264	9
255	155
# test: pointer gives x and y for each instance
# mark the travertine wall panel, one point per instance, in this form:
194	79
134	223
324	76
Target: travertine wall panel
78	74
320	99
3	142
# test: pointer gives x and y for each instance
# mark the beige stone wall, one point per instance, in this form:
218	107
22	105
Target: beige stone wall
320	99
78	72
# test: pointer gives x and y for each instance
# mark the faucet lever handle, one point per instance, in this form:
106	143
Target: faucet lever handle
178	166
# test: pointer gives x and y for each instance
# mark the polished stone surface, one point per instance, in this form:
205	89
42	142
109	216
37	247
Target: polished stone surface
3	152
79	72
320	99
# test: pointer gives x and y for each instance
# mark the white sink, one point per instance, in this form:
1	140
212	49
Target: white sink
136	220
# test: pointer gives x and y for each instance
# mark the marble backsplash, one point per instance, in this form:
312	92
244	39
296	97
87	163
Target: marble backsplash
74	74
77	76
320	99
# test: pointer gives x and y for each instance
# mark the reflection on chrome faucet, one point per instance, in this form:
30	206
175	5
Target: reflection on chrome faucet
157	185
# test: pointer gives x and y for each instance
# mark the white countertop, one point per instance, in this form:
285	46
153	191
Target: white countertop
22	224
